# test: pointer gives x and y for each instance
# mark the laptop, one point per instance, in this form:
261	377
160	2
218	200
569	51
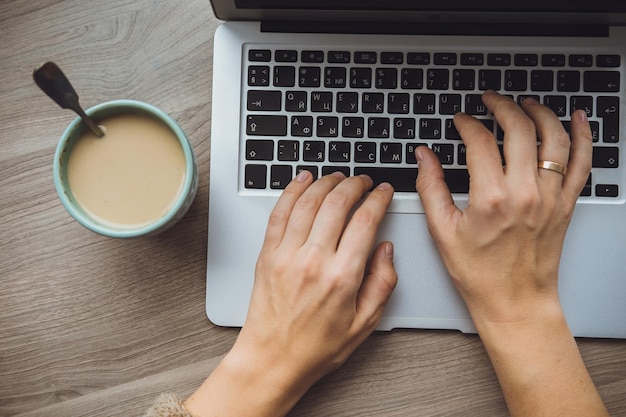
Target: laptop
357	85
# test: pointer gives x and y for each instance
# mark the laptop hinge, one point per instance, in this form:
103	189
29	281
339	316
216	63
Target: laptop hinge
438	28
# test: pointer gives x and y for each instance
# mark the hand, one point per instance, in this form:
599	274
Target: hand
314	301
503	250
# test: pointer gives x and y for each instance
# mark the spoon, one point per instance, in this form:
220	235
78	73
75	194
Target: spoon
55	84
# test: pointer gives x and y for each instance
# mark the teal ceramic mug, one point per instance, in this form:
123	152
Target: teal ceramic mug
138	180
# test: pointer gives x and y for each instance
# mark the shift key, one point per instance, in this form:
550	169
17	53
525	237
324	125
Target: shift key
266	125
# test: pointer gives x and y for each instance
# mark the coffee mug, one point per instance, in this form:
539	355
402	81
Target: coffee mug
139	179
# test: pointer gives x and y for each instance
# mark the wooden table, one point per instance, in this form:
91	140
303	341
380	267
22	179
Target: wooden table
92	326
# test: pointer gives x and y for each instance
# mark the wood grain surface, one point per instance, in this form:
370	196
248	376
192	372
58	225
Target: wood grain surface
92	326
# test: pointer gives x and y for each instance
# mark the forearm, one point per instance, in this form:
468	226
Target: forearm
539	365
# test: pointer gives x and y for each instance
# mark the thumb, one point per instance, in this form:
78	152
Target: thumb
433	190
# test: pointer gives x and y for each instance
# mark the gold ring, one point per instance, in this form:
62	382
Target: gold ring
552	166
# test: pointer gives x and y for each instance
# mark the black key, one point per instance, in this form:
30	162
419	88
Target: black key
450	130
284	76
515	80
266	125
601	81
586	192
339	151
313	151
608	110
309	76
372	102
463	79
338	57
402	179
499	60
390	153
553	60
581	103
541	80
347	102
386	78
580	60
378	127
361	77
327	127
437	79
392	58
365	57
259	55
557	104
295	101
418	58
283	55
288	150
312	56
398	103
329	169
607	190
449	103
255	176
522	97
526	60
311	168
335	77
280	176
353	127
259	150
258	76
474	105
411	78
568	81
444	59
321	101
605	157
261	100
489	80
423	103
365	152
445	152
608	60
410	152
302	126
430	128
472	59
462	154
404	128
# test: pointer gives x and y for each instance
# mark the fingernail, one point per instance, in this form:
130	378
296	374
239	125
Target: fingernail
530	100
384	186
302	176
338	174
389	249
582	116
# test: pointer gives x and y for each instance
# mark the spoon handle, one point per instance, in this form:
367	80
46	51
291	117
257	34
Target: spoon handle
55	84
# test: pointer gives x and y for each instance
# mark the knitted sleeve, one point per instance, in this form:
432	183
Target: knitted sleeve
167	405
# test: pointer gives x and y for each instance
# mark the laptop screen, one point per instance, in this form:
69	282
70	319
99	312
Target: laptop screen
561	11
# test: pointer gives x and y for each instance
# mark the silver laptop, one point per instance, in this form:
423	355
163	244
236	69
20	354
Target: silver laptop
357	85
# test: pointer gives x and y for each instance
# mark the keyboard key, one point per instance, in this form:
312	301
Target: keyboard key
608	60
283	55
449	103
398	103
526	60
601	81
284	76
365	152
347	102
553	60
472	59
463	79
337	57
361	77
423	103
542	80
404	128
568	81
386	78
391	153
580	60
365	57
418	58
378	127
261	100
288	150
295	101
515	80
259	55
339	151
489	80
313	151
309	76
445	152
581	103
411	78
372	102
266	125
444	59
607	190
393	58
437	79
430	128
311	168
255	176
605	157
352	127
498	60
402	179
312	56
329	169
327	127
474	105
259	150
280	176
335	77
258	76
608	110
557	104
302	126
321	101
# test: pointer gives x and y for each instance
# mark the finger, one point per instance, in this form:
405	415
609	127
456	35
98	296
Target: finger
434	192
520	136
555	142
376	289
279	217
306	207
360	233
579	165
484	162
331	219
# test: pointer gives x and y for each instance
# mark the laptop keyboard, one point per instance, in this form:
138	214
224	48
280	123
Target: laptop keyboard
365	111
